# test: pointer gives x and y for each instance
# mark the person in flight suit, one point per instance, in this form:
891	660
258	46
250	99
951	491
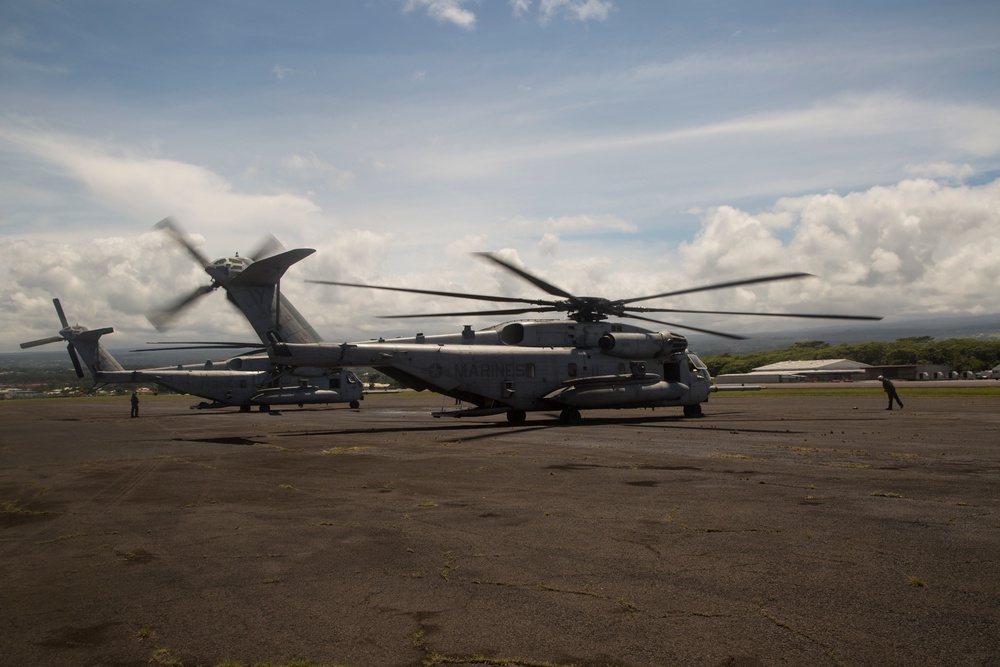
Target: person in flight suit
890	390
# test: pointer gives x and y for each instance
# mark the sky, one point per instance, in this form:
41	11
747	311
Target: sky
617	148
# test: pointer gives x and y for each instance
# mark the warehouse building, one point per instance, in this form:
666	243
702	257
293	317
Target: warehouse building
834	370
811	370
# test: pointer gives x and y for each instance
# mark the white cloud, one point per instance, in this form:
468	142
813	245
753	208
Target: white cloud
520	7
548	244
147	188
865	121
574	224
941	170
445	11
579	10
914	247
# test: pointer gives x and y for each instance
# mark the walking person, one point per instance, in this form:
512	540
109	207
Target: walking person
890	390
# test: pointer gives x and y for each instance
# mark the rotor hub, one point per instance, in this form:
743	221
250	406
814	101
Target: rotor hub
225	269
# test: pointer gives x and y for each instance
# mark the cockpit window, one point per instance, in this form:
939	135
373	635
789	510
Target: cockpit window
696	362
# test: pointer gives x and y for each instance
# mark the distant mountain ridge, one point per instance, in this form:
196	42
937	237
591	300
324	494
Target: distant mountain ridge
966	326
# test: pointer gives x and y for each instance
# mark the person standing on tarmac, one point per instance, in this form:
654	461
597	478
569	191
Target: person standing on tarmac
135	404
890	390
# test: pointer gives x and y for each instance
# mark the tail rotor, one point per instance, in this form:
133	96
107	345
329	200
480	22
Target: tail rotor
69	334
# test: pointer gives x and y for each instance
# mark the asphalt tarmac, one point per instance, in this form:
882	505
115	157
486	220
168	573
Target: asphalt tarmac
785	530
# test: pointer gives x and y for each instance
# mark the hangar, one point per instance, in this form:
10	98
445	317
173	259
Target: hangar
810	370
834	370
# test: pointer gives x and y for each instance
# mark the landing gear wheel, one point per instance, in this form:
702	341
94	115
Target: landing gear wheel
264	407
516	416
355	405
570	417
693	410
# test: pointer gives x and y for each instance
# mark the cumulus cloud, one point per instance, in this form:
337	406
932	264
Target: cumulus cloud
915	247
445	11
581	224
912	248
942	170
145	187
548	244
109	281
577	10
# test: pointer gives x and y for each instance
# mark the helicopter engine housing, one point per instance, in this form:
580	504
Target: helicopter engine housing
641	345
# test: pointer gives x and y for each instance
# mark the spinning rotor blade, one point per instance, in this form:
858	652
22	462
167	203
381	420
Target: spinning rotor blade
734	283
211	343
267	247
42	341
512	311
460	295
534	280
828	316
688	327
170	226
161	319
257	348
76	361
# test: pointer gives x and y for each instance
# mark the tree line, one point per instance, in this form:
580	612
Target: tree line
961	354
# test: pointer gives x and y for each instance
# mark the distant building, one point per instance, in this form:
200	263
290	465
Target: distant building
915	371
812	370
834	370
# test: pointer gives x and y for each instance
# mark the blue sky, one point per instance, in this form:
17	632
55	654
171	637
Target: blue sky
617	148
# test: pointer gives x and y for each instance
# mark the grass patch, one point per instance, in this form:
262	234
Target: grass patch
905	391
163	656
342	450
15	507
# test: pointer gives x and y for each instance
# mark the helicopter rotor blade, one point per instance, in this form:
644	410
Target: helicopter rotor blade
76	360
474	313
212	343
62	315
253	350
829	316
42	341
268	246
161	319
458	295
715	286
172	229
533	279
688	327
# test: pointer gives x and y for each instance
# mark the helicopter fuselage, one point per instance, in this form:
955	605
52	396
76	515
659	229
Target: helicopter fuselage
232	387
519	367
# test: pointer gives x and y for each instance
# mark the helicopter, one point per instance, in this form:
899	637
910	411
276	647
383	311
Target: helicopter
582	362
253	284
240	381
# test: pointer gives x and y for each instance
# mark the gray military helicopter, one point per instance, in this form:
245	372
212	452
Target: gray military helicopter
253	285
241	381
583	362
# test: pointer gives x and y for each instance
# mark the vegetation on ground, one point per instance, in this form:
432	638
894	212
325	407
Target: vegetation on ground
961	354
